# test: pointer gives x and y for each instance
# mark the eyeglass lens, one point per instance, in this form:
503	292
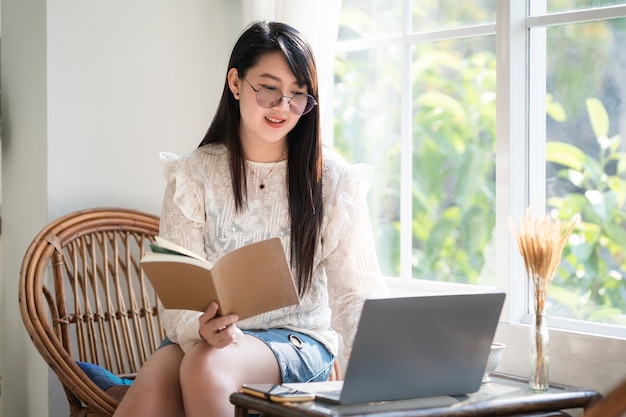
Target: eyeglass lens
298	104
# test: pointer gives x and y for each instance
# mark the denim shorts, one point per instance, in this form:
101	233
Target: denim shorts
300	357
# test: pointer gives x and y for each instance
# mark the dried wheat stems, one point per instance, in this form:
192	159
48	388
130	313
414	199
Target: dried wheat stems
541	241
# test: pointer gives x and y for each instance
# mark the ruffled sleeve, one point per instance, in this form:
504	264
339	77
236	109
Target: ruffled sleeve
182	216
349	254
182	222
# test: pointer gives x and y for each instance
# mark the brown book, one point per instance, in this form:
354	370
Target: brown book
251	280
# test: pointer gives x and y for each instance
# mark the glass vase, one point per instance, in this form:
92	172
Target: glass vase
539	353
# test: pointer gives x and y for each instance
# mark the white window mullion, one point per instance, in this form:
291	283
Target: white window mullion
540	18
511	151
536	124
406	164
537	112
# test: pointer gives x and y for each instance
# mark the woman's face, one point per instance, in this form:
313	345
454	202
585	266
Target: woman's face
265	126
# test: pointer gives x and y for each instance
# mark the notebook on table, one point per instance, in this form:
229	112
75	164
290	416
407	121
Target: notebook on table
414	347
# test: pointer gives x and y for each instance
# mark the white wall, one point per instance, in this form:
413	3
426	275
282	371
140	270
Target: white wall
23	158
125	80
91	92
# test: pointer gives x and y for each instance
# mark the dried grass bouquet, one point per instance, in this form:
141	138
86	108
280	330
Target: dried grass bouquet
540	241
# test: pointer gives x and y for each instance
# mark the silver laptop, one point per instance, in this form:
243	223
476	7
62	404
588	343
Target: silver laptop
415	347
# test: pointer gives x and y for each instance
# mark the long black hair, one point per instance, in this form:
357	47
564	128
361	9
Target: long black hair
304	145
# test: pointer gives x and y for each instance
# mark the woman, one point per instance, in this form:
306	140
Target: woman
261	172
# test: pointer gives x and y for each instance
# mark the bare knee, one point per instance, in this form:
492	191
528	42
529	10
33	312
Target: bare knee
208	376
207	379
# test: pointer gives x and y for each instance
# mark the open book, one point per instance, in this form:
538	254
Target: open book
251	280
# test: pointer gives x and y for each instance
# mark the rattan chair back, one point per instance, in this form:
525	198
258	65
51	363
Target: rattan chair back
83	297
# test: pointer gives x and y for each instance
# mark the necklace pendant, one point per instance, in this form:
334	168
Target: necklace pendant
262	186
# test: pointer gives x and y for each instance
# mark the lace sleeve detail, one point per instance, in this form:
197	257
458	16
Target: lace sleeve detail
181	326
184	190
182	222
349	254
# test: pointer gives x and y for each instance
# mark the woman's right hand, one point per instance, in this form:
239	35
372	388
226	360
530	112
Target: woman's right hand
217	331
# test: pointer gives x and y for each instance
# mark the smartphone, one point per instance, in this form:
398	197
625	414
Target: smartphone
277	393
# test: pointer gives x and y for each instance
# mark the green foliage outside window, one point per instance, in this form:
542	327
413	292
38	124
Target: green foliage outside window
453	154
452	160
591	282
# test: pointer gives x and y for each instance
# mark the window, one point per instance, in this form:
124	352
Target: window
420	107
415	97
577	82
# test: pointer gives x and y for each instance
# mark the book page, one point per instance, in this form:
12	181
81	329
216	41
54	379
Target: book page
255	278
170	246
316	387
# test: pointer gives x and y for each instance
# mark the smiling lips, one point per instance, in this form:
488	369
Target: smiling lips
274	122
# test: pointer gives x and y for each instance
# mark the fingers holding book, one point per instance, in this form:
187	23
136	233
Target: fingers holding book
218	331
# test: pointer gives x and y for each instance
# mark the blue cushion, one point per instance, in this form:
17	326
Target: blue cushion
101	376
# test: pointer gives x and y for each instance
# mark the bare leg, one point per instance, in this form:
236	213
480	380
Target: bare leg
156	391
208	375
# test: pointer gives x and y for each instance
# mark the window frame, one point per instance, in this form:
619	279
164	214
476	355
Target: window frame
515	31
536	26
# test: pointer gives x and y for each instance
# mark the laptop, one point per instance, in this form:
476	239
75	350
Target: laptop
414	347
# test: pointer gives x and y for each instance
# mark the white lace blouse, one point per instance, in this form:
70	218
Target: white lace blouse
199	214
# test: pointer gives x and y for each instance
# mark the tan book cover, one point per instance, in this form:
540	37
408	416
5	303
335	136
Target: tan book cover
251	280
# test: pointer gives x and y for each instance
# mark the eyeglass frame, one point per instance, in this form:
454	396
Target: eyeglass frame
309	98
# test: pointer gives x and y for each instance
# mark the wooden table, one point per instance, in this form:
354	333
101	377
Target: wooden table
504	396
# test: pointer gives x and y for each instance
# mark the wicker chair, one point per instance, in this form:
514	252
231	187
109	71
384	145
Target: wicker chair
83	297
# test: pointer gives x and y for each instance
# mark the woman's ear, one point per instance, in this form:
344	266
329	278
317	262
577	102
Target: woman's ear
234	82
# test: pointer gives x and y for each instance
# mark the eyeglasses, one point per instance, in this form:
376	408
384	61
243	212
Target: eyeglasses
268	97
